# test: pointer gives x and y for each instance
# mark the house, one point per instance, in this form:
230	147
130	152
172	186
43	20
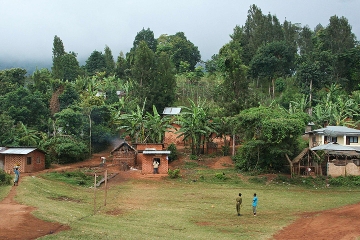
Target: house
29	159
124	155
339	134
149	152
341	149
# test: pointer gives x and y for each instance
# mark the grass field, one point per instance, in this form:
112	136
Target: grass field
198	206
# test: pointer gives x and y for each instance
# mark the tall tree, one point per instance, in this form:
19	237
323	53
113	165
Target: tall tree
235	88
273	60
162	89
143	70
259	30
58	51
121	66
181	50
95	63
109	61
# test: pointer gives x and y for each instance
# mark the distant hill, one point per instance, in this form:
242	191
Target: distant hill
29	66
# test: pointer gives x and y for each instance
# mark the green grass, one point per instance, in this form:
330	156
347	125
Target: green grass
4	191
200	205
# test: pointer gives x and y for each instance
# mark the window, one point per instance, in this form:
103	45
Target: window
353	139
334	139
28	160
38	160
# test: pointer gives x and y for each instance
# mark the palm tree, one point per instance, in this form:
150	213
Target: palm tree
156	126
195	125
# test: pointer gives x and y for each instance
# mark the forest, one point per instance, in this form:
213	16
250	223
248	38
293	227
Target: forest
262	88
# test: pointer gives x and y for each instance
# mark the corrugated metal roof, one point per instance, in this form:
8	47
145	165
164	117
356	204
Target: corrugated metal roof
156	152
337	130
171	110
20	151
333	147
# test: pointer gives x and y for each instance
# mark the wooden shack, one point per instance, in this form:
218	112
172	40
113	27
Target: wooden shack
124	155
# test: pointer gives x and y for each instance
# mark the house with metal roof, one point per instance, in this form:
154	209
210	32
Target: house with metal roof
339	134
28	159
340	147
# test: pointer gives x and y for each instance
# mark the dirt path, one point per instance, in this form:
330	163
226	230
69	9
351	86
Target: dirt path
17	222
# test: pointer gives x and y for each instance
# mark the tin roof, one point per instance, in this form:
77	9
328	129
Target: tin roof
20	151
156	152
333	147
171	111
337	130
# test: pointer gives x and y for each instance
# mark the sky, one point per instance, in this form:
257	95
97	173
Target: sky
28	27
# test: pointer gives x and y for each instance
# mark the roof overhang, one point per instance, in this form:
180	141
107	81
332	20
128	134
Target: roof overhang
156	152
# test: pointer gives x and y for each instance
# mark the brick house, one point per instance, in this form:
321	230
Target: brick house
29	159
147	153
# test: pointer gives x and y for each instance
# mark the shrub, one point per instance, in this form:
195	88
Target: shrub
194	157
174	173
173	152
5	178
221	176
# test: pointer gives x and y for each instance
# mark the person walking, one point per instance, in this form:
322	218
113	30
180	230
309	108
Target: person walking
254	204
238	204
156	167
17	176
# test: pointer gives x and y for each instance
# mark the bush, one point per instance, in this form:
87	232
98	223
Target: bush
173	152
5	178
221	176
174	173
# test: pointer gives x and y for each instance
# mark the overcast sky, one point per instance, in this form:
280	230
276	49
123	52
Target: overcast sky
28	27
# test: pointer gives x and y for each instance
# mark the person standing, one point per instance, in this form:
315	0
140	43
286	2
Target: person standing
254	204
156	167
17	176
238	204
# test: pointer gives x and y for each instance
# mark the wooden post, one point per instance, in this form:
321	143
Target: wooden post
291	166
105	186
95	194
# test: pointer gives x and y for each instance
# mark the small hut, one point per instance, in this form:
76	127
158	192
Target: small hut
124	155
28	159
148	152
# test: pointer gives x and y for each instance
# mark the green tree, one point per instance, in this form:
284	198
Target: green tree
95	63
181	50
269	133
156	126
109	61
58	51
273	60
26	136
7	129
26	107
11	79
234	94
195	125
162	89
259	30
121	68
